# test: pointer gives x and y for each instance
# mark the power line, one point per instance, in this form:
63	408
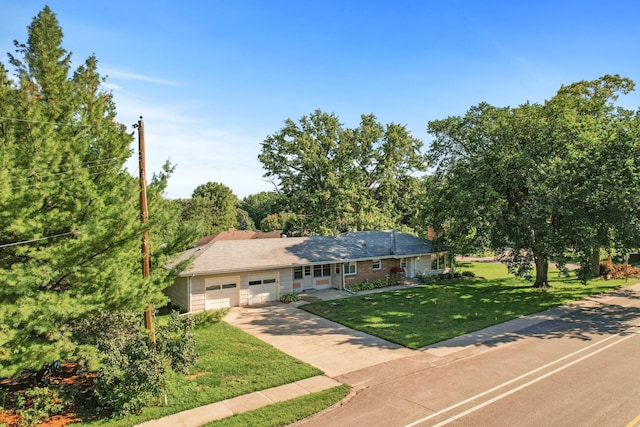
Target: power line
24	242
13	119
41	183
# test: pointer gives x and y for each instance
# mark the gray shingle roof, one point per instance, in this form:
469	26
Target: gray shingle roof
258	254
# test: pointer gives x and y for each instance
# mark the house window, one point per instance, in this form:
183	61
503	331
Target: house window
403	263
434	262
321	270
376	264
326	270
350	268
307	270
337	268
297	273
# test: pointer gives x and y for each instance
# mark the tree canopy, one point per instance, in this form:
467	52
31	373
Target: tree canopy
212	208
70	228
542	180
338	178
262	204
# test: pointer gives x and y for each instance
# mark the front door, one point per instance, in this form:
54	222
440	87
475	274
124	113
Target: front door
307	277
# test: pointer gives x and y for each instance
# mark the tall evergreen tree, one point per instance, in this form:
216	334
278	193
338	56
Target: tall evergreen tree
69	223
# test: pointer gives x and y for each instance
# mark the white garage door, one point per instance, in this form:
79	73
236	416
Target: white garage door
263	289
221	292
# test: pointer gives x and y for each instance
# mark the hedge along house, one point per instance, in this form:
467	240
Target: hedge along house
232	273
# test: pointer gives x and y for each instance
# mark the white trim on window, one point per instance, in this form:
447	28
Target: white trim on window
350	268
376	264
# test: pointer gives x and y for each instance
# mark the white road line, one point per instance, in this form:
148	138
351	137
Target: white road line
475	408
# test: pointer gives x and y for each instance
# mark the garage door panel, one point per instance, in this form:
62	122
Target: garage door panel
263	289
221	292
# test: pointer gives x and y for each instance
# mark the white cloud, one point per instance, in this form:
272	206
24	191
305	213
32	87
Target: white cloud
116	73
111	86
200	150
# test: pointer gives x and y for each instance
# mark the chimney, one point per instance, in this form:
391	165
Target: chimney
393	242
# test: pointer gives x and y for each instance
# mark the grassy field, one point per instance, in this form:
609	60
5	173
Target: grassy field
231	363
420	316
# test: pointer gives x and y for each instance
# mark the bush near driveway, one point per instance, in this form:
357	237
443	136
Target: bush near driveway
423	315
230	363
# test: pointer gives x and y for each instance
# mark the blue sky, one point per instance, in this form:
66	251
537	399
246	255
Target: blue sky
214	78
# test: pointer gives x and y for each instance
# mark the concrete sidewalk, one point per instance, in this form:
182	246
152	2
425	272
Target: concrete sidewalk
218	410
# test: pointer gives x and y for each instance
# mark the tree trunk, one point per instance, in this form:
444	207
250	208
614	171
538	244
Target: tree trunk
542	272
595	261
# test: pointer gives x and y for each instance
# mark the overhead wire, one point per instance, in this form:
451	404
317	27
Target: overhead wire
6	245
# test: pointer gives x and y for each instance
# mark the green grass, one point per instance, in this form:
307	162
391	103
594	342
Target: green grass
287	412
231	363
420	316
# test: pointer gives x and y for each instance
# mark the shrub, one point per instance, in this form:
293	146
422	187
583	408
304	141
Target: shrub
367	286
132	370
177	342
426	279
289	297
131	376
618	271
397	269
38	404
468	273
445	276
209	316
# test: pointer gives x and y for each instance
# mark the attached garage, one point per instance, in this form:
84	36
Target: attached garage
263	288
221	292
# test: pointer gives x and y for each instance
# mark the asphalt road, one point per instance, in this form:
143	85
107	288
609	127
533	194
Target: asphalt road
582	369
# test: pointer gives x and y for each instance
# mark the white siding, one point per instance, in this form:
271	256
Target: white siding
197	294
423	265
179	293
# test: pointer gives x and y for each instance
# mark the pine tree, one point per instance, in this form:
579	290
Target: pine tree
69	223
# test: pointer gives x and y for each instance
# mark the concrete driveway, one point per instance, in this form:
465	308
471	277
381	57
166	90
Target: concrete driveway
329	346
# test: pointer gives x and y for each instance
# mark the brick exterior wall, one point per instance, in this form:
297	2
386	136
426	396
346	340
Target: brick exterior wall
366	272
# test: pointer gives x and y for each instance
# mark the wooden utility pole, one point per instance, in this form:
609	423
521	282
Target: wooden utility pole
144	216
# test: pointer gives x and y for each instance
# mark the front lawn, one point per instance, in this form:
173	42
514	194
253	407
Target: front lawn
231	363
419	316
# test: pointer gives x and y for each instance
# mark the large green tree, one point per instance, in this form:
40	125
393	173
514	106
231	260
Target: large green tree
212	207
540	180
261	204
339	178
70	227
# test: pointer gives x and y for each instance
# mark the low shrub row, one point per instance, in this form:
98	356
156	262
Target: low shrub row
433	278
368	286
289	297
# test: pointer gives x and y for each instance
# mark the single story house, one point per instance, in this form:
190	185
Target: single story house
228	273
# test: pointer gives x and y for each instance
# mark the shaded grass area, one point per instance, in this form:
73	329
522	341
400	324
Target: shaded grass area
424	315
231	363
284	413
